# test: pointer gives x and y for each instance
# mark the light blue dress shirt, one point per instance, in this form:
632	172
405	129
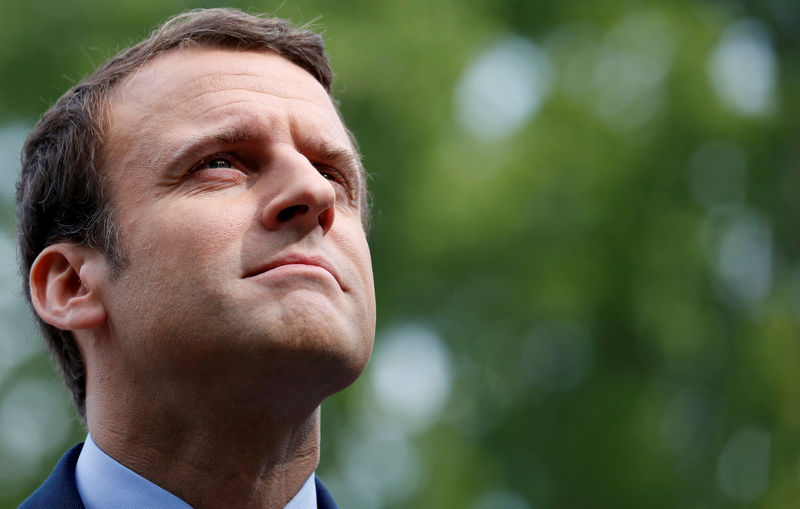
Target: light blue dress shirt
103	482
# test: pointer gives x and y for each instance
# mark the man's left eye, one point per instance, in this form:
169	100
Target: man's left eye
328	173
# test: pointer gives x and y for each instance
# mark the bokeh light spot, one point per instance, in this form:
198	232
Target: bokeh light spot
743	69
630	67
500	499
503	88
18	343
743	466
34	420
744	259
383	463
410	374
12	136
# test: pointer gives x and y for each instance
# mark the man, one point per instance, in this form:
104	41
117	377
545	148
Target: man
192	223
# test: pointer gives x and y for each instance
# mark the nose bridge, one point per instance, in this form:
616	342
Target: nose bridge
300	196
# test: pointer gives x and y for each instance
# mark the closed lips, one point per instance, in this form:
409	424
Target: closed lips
314	261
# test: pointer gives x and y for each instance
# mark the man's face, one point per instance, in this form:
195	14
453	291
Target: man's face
238	200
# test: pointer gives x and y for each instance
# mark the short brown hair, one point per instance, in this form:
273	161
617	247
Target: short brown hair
60	194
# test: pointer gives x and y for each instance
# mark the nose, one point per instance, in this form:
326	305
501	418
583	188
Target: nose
301	196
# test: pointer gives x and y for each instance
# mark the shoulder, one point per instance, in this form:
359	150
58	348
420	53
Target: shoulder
59	490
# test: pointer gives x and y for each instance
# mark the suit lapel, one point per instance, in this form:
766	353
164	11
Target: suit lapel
324	497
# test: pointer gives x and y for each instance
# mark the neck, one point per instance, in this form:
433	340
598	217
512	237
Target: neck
222	459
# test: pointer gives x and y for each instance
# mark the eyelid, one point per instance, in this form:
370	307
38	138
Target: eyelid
236	164
200	173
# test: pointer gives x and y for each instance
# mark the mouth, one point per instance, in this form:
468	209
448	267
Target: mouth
297	259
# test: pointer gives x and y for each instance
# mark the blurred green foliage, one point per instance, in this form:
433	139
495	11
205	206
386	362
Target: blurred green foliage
609	287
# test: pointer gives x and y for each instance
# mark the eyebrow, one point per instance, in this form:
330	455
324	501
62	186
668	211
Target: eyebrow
225	136
197	145
327	152
332	153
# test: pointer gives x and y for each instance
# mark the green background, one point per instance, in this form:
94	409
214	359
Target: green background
585	246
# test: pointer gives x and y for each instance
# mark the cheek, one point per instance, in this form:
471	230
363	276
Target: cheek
187	237
354	247
366	263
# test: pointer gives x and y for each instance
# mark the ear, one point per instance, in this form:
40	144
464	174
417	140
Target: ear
63	283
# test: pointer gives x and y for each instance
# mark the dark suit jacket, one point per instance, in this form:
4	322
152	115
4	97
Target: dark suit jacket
60	492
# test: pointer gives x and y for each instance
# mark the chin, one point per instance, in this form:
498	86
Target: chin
336	361
328	351
343	370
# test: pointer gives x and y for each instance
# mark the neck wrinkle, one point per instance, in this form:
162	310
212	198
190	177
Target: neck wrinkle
223	461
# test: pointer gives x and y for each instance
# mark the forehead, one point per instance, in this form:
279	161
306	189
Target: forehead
185	90
184	74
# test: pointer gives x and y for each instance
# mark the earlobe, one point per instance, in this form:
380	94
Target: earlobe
60	295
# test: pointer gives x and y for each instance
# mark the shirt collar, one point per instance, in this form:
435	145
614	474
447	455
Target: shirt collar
104	482
306	498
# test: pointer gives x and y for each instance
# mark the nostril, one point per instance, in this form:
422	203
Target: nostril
290	212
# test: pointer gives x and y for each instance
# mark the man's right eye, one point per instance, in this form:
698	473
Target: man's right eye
219	169
219	162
